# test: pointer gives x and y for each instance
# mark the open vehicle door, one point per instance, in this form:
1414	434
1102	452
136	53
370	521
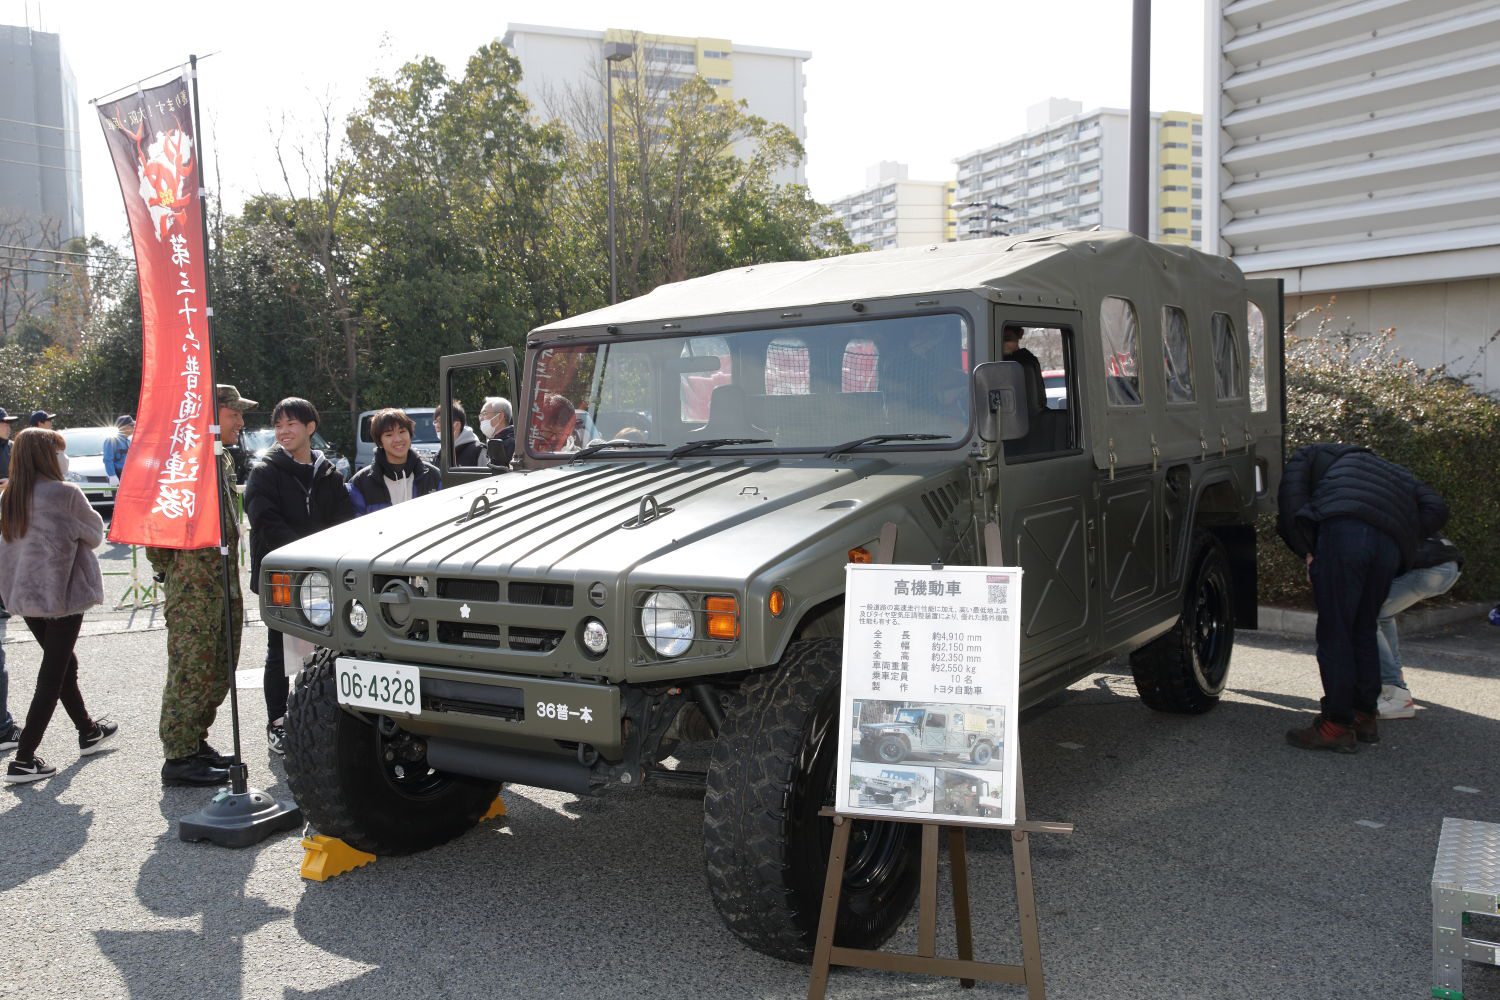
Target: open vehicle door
469	379
1264	322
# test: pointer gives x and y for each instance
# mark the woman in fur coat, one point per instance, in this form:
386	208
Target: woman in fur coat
49	575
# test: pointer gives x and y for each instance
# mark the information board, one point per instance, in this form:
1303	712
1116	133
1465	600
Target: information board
931	688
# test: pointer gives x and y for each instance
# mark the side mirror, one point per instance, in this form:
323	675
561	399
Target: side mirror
1000	401
494	450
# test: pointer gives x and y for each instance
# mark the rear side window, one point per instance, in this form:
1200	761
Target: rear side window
1121	339
1177	355
1255	328
1227	365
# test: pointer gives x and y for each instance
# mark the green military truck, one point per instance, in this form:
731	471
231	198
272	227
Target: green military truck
695	468
957	732
894	789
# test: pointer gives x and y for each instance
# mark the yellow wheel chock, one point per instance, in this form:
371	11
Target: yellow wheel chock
329	856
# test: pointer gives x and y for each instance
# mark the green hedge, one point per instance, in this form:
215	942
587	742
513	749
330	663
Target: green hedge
1354	388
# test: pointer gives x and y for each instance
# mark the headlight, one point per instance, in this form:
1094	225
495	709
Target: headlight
315	597
359	618
667	623
75	477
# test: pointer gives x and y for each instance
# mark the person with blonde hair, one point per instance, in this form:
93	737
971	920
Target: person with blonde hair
50	576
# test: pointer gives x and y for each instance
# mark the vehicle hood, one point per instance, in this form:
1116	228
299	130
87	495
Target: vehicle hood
709	519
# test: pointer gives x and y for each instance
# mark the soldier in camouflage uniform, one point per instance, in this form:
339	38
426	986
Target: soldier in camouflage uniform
197	676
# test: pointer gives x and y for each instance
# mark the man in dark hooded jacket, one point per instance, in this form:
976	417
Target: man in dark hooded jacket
1357	520
293	493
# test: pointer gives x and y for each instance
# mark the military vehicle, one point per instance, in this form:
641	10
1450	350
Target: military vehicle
680	575
960	793
957	732
894	789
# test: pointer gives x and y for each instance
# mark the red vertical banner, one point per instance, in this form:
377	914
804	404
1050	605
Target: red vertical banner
168	493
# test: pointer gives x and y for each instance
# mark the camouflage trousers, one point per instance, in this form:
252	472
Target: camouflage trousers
197	673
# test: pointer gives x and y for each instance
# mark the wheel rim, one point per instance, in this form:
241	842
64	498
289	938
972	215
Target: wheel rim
1211	632
890	751
412	779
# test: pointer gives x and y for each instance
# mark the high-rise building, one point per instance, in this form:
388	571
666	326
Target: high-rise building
41	181
769	81
1354	150
893	211
1071	170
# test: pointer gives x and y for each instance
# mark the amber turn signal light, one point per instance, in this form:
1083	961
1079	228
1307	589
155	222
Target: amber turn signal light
723	617
776	604
281	590
860	556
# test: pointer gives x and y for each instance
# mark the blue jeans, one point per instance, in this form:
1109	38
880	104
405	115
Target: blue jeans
1406	590
5	716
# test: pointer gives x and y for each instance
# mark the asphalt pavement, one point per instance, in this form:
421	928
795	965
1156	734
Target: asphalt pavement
1210	860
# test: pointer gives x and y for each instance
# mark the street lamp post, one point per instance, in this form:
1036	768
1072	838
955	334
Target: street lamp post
613	52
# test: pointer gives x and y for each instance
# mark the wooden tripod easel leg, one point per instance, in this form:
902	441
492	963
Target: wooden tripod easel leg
958	867
832	883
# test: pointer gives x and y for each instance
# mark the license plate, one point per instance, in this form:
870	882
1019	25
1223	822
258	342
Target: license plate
387	687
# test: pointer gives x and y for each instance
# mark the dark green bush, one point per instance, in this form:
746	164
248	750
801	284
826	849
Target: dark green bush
1354	388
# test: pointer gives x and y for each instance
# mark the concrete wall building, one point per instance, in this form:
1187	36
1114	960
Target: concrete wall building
770	81
1357	153
1071	170
41	178
893	211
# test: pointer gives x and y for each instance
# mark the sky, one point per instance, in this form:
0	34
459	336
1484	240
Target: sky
906	82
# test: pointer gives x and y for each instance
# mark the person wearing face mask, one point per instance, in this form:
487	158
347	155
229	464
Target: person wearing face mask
50	576
398	473
497	424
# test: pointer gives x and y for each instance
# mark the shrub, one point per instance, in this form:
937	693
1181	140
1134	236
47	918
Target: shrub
1354	388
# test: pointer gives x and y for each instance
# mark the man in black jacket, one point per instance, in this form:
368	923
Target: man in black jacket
293	493
1357	520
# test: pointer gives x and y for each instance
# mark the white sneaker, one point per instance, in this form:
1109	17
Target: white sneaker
1395	703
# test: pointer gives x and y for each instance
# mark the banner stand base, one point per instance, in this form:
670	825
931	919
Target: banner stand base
239	819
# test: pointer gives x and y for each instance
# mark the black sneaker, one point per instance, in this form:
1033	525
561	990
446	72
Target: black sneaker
10	738
97	739
276	738
214	758
35	769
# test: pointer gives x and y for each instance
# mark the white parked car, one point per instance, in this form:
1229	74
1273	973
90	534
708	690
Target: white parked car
85	450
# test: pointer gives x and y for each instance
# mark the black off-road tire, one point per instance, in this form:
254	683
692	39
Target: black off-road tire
336	770
981	754
765	847
1185	671
891	750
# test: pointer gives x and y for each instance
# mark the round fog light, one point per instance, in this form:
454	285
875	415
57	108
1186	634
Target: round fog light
359	618
595	638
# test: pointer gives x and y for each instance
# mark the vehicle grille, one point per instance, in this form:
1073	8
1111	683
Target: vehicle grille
940	503
469	634
557	595
537	640
468	590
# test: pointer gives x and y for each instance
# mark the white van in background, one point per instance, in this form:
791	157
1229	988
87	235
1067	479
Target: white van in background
424	439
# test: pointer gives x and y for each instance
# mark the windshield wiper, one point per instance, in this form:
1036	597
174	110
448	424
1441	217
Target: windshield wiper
595	449
877	439
710	443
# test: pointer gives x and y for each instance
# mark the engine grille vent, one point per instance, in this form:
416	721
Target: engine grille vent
534	640
557	595
469	634
941	503
468	590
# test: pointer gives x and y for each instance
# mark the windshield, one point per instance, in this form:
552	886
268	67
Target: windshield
911	715
801	388
80	442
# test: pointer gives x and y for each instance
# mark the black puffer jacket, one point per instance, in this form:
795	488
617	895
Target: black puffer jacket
286	500
1323	481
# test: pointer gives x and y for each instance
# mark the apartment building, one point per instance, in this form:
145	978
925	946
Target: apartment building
770	81
895	211
1071	170
1354	148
